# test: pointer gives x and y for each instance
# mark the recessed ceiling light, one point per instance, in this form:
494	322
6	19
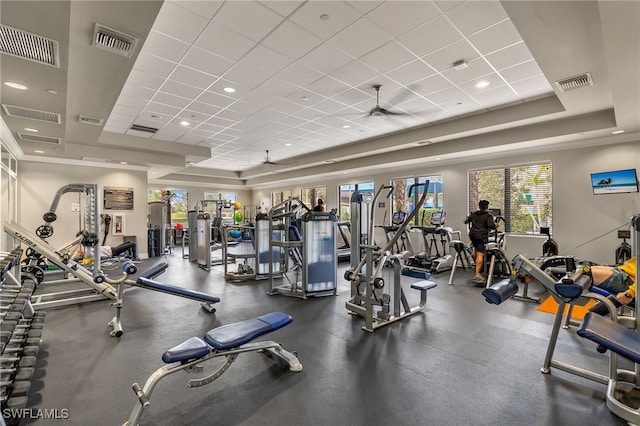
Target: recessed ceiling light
15	85
39	151
29	129
191	163
229	90
53	92
438	158
617	132
346	126
184	123
124	162
288	144
482	84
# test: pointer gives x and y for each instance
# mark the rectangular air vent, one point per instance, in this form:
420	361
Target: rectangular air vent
38	138
114	41
85	119
29	46
144	128
32	114
575	82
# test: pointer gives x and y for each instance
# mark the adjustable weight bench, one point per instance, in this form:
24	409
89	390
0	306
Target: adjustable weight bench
623	341
228	341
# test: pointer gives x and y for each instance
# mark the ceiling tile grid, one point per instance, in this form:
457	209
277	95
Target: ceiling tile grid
311	66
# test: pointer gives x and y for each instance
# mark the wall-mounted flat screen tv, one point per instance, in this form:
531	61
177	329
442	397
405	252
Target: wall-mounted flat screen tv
614	182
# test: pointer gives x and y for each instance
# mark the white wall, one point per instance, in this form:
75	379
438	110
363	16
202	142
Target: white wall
584	225
39	182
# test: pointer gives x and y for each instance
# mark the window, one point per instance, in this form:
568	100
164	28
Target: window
310	195
225	210
177	199
522	193
346	191
404	202
278	197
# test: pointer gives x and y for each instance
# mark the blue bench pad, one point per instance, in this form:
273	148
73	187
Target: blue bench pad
611	335
237	334
191	349
416	273
178	291
424	285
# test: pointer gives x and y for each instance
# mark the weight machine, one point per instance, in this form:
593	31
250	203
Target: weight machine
368	297
308	261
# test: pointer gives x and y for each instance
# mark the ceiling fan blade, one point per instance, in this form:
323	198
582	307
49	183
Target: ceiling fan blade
403	94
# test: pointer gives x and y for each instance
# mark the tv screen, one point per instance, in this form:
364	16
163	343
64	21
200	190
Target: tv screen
614	182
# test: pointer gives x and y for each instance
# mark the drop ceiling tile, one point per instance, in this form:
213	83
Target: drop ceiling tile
178	22
193	117
206	9
156	118
216	99
325	58
385	58
285	106
445	5
326	86
360	38
162	109
171	100
205	61
497	96
495	37
365	6
204	108
399	17
475	69
443	59
136	91
521	71
431	36
125	110
179	89
145	79
223	42
154	65
291	40
355	73
138	134
328	106
245	78
351	96
249	18
450	94
411	72
266	60
163	46
494	81
284	7
533	87
299	75
186	75
509	56
473	16
131	101
211	128
338	16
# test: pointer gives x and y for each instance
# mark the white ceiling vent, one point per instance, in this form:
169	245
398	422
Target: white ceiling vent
114	41
85	119
32	114
575	82
29	46
38	138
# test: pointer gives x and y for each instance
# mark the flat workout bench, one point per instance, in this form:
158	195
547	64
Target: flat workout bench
228	341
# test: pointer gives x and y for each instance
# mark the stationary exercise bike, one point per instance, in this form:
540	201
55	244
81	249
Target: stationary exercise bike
550	247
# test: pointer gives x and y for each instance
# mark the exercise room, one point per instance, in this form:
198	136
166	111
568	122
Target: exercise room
307	212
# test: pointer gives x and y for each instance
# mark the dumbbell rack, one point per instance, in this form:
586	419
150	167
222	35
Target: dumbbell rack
20	334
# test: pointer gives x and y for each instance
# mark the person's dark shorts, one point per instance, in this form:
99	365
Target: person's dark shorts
478	242
619	281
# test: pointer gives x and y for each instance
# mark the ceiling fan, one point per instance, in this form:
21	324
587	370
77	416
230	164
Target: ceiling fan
267	162
378	111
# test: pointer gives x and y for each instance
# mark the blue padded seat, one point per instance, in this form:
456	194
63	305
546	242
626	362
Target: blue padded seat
424	285
237	334
191	349
179	291
611	335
